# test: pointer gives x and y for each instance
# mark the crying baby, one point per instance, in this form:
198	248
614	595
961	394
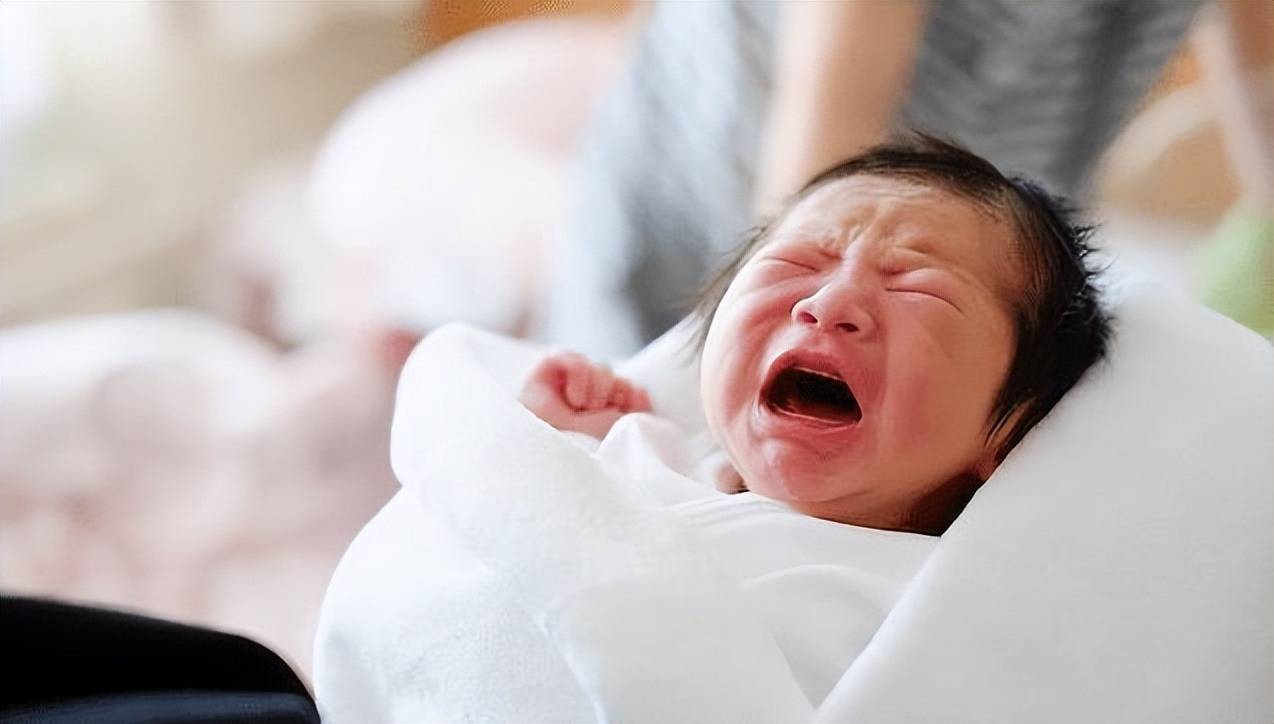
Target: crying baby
876	350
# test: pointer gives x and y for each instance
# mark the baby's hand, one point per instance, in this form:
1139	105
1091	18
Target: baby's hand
571	392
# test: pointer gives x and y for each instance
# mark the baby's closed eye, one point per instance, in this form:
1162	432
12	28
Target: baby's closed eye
791	262
797	259
932	283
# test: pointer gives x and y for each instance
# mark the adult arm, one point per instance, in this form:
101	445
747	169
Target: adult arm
1237	52
841	70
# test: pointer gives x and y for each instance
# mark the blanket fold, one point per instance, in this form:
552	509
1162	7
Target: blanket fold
610	578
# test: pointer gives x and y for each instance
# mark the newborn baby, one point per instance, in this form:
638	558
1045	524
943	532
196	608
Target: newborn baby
874	352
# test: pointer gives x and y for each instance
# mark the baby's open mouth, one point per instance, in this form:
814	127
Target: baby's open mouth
813	395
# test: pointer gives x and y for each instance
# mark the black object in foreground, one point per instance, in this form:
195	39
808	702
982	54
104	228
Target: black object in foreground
79	663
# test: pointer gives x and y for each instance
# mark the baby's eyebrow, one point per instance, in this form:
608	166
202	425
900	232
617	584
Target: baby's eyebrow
824	240
832	247
822	234
917	254
918	240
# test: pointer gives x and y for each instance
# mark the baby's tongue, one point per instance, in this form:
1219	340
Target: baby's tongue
815	396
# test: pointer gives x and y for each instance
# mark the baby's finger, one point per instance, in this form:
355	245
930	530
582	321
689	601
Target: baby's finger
547	372
619	394
575	371
600	383
639	401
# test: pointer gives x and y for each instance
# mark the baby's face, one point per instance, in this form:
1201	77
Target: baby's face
851	368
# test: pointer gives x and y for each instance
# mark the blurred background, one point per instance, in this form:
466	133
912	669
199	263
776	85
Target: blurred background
224	224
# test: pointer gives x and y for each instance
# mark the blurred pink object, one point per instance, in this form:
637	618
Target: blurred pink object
167	462
446	184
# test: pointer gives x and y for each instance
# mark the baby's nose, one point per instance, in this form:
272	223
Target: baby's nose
837	306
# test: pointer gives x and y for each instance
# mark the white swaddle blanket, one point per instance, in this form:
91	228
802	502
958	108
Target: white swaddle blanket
1116	568
591	544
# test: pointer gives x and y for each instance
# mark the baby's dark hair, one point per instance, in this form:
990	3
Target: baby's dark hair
1060	325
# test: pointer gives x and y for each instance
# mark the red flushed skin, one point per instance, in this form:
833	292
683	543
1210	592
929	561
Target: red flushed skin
903	292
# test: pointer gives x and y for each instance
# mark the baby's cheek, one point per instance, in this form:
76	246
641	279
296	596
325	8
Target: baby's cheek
916	418
938	380
720	394
738	387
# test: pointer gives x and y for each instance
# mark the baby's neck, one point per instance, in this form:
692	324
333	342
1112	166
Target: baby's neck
932	514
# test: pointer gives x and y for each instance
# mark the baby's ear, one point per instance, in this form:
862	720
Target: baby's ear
987	463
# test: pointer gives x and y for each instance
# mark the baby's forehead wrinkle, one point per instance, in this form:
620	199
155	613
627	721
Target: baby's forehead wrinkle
915	221
836	226
896	220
